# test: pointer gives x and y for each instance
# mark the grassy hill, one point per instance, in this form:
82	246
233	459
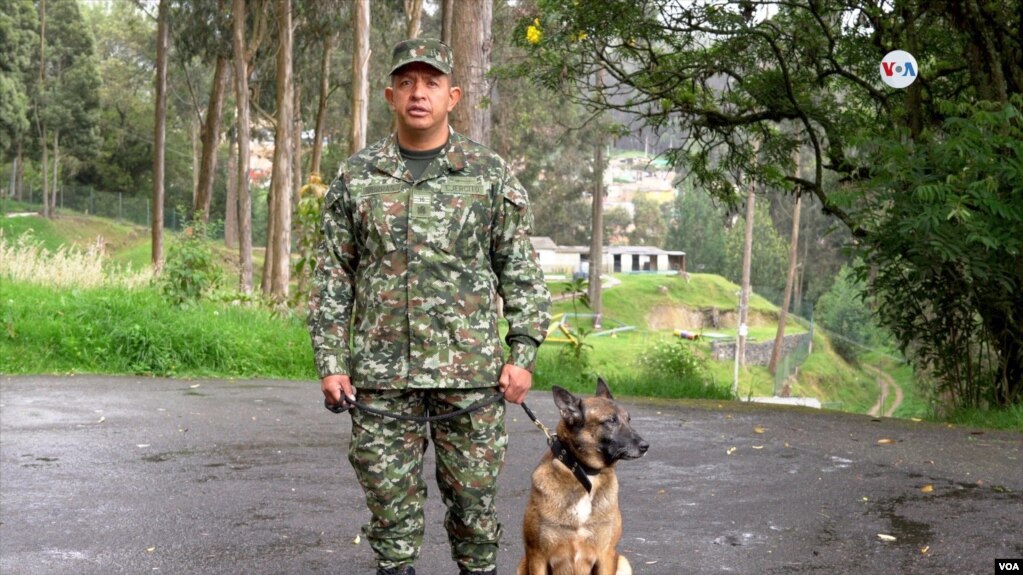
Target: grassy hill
653	305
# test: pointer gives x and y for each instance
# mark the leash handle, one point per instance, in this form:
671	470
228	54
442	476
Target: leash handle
539	424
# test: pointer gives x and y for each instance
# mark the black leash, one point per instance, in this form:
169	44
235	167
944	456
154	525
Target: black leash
347	403
558	449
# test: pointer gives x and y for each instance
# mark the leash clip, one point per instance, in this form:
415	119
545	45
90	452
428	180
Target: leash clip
539	424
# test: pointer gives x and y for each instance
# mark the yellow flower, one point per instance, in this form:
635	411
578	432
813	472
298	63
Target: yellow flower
580	36
533	33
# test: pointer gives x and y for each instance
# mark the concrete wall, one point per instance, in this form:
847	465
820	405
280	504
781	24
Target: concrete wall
759	352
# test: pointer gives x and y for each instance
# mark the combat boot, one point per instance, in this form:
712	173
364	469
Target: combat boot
404	570
462	571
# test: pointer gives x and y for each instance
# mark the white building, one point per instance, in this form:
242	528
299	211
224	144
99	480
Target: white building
568	260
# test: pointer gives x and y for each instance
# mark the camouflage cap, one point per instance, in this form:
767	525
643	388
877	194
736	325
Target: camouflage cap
425	50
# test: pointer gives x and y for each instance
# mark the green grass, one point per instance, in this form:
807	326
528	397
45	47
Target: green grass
121	331
1010	418
616	360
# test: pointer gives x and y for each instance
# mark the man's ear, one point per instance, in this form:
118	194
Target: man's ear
389	96
455	94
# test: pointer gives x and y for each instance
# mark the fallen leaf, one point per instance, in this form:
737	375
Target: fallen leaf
758	429
866	499
731	450
101	420
757	446
357	540
925	549
885	441
150	549
884	537
142	445
915	419
651	562
927	488
194	386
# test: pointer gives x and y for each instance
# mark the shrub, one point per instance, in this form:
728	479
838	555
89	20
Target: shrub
191	271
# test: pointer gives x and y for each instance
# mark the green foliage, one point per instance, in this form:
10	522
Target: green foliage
191	270
18	39
946	255
650	227
673	359
698	228
932	202
770	252
842	309
307	236
125	331
577	349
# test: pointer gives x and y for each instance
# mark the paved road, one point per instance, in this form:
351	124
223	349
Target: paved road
103	475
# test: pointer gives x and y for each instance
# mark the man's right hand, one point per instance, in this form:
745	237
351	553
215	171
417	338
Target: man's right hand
334	386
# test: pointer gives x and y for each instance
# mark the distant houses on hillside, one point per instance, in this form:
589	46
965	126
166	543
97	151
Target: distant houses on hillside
568	260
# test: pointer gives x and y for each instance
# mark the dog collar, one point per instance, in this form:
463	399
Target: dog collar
562	454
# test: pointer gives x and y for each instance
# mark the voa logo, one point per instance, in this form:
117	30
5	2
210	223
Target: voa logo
898	69
1007	566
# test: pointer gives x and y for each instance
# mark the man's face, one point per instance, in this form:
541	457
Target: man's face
421	97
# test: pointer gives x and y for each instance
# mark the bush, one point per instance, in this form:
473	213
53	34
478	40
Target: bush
191	271
673	359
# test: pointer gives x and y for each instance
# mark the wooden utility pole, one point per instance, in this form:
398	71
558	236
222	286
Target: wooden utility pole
779	337
744	293
160	132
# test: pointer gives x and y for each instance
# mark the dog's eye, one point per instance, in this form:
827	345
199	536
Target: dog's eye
613	420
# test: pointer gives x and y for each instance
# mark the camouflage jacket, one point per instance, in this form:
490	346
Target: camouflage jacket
408	275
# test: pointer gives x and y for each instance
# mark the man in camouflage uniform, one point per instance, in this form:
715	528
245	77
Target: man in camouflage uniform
423	232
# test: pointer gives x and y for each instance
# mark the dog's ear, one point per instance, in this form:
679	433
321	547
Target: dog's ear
602	389
571	407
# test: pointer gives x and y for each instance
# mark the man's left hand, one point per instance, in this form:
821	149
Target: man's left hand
515	383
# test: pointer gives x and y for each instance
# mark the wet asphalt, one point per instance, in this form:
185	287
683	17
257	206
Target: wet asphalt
137	475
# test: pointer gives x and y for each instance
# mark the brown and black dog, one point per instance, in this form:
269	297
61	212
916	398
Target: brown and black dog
572	523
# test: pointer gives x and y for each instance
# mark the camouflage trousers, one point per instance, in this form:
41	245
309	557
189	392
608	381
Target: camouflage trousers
387	455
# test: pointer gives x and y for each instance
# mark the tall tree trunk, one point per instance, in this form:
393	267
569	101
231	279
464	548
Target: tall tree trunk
447	11
43	140
241	78
211	139
55	187
296	144
779	337
413	17
19	173
195	137
231	209
321	107
471	44
360	76
160	132
282	167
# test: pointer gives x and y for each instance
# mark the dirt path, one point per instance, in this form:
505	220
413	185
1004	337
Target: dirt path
888	389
